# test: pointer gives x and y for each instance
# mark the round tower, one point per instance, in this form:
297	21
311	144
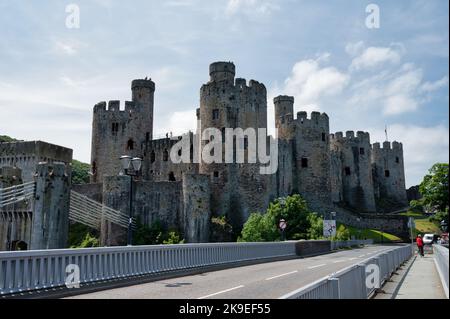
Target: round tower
143	92
284	114
222	71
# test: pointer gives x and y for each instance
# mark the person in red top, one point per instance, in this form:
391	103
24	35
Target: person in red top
419	243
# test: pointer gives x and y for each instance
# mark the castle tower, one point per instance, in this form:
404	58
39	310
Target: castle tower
226	102
389	173
312	160
284	114
351	170
117	132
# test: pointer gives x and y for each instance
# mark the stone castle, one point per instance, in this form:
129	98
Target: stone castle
362	182
333	172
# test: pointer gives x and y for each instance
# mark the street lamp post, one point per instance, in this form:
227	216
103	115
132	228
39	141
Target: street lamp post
131	167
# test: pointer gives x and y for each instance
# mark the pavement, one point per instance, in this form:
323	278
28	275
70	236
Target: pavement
262	281
417	279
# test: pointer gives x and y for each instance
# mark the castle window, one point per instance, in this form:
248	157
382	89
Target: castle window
362	151
397	160
165	156
172	177
216	174
147	136
387	173
215	114
304	162
180	152
115	128
130	145
94	167
153	157
324	137
348	171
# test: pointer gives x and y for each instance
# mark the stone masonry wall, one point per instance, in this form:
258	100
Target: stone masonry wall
352	170
389	173
26	155
117	132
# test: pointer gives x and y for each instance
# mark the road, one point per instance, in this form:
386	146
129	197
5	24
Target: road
262	281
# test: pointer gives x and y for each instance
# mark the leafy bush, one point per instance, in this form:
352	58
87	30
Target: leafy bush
221	230
342	233
416	206
155	235
80	235
302	223
80	172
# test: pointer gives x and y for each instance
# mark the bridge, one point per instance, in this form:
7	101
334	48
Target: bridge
303	270
234	270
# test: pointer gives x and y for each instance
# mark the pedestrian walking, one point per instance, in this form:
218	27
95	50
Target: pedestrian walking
419	243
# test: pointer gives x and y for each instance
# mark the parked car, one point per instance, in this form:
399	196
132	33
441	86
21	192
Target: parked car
428	239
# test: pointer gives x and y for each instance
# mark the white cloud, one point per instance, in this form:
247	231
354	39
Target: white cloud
372	57
179	123
310	81
422	146
68	47
433	86
354	49
251	7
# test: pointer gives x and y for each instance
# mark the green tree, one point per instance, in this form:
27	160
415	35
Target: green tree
342	233
80	172
173	238
264	227
315	230
156	234
434	188
5	138
79	235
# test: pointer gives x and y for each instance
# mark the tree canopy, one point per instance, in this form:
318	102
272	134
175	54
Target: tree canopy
434	187
301	222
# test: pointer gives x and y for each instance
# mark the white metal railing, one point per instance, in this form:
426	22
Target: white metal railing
350	283
15	194
440	254
35	270
90	212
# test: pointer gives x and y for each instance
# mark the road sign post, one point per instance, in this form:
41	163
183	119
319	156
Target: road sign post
283	225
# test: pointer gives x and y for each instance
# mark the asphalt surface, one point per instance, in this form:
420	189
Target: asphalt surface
262	281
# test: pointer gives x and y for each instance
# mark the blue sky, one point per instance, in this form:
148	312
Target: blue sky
321	52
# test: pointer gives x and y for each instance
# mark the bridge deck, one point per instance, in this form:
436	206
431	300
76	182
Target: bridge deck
262	281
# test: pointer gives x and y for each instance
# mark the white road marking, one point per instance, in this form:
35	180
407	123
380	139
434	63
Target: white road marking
289	273
221	292
360	256
352	258
338	261
313	267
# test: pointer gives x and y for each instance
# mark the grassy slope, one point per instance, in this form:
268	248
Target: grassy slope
423	224
376	235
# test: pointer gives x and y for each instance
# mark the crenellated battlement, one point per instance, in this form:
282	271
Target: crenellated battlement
143	83
388	146
115	106
316	119
350	137
163	143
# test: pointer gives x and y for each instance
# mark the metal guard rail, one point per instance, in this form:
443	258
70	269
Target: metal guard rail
350	283
35	270
441	260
